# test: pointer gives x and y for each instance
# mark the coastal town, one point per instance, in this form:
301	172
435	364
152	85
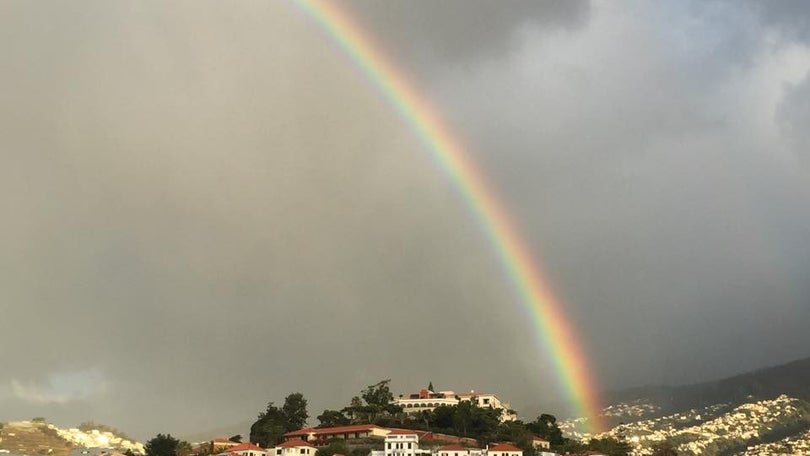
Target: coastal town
757	428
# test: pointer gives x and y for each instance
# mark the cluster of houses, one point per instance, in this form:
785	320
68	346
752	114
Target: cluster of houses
396	442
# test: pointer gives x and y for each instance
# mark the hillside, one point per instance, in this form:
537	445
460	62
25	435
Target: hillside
761	427
25	437
792	379
763	413
39	437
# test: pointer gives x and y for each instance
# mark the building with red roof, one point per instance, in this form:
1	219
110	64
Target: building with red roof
320	436
245	449
504	449
293	447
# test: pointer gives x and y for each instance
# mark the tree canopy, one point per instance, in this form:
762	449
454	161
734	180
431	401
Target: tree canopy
332	418
377	403
274	422
161	445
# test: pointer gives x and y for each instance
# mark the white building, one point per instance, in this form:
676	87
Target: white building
295	447
458	450
402	443
539	443
427	400
245	449
504	449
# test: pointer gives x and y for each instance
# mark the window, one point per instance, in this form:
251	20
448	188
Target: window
389	445
409	445
304	451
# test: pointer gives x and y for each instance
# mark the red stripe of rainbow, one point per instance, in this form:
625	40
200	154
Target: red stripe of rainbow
556	336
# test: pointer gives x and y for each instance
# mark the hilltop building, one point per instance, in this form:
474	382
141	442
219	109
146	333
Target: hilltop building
426	400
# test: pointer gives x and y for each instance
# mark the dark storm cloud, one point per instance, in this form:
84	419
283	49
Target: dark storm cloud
426	33
644	159
206	206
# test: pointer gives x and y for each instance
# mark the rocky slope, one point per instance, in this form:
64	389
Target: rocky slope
27	437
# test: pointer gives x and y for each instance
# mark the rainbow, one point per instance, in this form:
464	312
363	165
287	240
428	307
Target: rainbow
554	333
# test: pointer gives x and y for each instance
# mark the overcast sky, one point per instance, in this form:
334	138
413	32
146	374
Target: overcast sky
207	206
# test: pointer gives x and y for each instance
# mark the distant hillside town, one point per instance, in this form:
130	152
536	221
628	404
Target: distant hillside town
435	422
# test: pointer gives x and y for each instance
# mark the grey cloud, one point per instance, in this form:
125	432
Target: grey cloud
425	33
793	116
211	207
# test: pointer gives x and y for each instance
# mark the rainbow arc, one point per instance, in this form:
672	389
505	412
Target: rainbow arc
554	333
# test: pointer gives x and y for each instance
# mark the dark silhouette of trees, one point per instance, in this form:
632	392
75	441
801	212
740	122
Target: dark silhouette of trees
274	422
332	418
161	445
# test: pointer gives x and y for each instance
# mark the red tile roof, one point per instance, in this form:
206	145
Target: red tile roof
402	432
504	447
225	441
333	430
295	443
245	447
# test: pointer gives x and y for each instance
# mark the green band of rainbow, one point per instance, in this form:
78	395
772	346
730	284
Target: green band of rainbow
554	334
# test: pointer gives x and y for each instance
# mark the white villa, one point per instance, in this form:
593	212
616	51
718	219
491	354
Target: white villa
295	447
245	449
426	400
400	442
504	449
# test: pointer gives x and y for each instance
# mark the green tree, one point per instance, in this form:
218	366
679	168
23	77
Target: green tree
379	400
331	418
269	428
430	386
183	449
236	438
295	411
355	410
664	449
442	416
161	445
336	446
545	426
376	403
610	446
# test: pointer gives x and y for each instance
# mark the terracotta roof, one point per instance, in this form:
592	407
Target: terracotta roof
504	447
402	432
454	447
295	443
333	430
245	447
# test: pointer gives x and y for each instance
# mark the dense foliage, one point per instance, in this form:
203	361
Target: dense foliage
162	445
274	422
